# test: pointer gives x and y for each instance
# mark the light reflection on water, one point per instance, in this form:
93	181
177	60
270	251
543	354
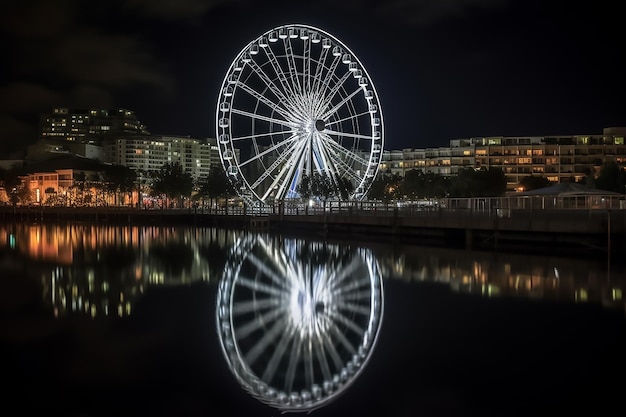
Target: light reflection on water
99	269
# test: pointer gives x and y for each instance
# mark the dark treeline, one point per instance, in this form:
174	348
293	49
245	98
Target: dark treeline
470	182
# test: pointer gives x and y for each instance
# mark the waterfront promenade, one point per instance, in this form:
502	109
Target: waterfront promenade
478	224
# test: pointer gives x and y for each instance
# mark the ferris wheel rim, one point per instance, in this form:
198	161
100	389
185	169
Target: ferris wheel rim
370	163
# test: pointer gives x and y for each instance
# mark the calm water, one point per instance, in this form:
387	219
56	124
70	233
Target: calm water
116	321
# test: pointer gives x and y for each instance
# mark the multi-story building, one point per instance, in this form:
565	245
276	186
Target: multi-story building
63	179
89	125
150	153
563	158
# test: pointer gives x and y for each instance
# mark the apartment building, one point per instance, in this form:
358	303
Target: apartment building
89	125
150	153
563	158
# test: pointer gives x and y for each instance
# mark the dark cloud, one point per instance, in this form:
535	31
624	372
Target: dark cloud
14	135
185	10
426	12
37	18
22	97
109	60
84	96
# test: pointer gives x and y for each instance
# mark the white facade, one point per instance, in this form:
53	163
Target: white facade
150	153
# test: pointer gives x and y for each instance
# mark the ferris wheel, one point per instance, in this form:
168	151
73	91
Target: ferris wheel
297	103
298	321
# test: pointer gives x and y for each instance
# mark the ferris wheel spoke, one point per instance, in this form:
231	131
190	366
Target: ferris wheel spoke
345	273
269	336
341	168
319	69
330	74
331	168
264	118
265	269
294	358
308	364
330	346
262	135
321	284
269	103
268	82
346	134
318	163
330	95
356	308
354	293
293	70
287	154
277	355
282	263
351	117
287	171
348	156
260	287
340	336
289	141
244	307
336	108
289	92
306	60
337	166
258	323
322	359
318	107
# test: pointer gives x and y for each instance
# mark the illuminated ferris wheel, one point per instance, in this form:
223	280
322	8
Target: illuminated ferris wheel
298	321
296	103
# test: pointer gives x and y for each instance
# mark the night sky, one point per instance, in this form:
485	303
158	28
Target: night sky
443	69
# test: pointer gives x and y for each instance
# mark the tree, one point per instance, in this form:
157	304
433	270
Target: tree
172	182
417	184
215	185
322	186
534	182
611	177
12	183
470	182
345	188
385	187
304	189
120	179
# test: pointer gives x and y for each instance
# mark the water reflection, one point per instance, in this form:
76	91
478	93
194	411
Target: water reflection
298	320
490	274
99	270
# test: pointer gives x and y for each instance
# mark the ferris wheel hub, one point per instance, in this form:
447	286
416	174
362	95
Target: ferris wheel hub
320	125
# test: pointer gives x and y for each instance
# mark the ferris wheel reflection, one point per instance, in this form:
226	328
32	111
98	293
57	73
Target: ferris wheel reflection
298	320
